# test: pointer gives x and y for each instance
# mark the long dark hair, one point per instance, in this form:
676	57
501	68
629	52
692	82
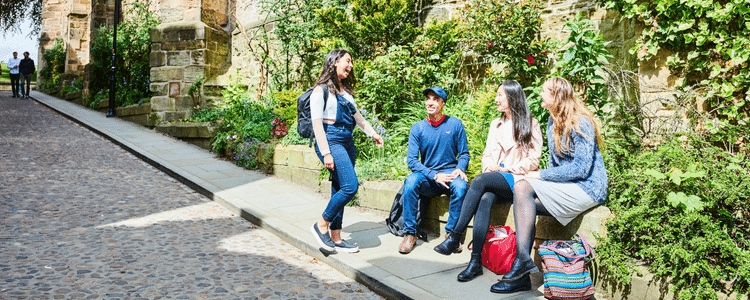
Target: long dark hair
519	111
329	77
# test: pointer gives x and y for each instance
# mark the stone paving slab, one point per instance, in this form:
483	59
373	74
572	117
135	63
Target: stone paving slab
270	202
80	218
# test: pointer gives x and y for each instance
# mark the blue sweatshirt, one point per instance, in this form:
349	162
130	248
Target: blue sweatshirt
584	166
439	149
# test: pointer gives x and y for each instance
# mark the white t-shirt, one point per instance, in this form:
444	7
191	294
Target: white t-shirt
317	111
13	65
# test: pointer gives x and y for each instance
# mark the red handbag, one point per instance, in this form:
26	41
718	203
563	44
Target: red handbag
499	249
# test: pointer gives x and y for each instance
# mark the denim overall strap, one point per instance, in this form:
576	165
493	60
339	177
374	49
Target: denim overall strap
345	113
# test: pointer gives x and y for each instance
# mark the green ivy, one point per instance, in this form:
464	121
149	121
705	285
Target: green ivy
709	46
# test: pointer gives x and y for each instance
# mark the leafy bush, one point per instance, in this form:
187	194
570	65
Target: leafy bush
286	105
370	27
681	208
508	33
296	28
75	86
396	79
54	61
244	116
133	50
293	138
205	115
582	60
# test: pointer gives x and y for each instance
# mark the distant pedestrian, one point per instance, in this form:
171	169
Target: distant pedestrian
27	69
13	65
333	123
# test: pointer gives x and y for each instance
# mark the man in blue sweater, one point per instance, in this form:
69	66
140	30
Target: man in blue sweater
438	155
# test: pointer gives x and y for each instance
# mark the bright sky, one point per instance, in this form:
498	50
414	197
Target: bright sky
19	42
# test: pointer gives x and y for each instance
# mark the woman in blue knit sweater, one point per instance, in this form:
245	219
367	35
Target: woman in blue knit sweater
574	182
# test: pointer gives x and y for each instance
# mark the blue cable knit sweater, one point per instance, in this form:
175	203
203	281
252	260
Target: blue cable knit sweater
584	166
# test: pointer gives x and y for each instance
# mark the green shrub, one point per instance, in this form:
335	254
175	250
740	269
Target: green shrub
75	86
286	105
582	60
205	115
133	51
54	60
396	79
682	209
370	27
508	33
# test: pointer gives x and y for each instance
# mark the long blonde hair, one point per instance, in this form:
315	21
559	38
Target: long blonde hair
566	111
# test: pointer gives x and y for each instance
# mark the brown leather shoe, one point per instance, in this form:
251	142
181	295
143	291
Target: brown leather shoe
460	246
407	244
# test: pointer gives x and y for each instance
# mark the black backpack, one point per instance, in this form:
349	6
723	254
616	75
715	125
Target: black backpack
395	220
304	123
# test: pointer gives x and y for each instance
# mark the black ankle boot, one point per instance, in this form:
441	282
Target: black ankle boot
521	284
450	245
520	268
474	268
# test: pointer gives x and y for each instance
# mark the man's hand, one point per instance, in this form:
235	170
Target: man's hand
459	173
443	178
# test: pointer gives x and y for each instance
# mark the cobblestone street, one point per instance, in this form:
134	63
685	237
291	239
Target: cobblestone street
84	219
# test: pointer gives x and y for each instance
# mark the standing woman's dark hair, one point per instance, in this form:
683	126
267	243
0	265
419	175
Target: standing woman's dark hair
520	113
328	74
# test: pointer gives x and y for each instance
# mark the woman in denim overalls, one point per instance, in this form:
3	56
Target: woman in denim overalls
333	121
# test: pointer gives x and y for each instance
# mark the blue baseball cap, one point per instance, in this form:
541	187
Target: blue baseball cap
438	91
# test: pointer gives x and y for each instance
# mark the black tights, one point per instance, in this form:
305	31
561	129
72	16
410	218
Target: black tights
484	190
526	206
482	193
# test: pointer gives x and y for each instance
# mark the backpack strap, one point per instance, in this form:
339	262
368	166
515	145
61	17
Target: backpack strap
325	102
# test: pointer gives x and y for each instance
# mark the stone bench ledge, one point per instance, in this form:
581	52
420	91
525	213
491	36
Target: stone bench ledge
378	195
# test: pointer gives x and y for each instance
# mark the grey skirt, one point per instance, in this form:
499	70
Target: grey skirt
564	201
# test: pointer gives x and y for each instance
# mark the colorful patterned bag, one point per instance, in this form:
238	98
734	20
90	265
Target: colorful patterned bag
566	275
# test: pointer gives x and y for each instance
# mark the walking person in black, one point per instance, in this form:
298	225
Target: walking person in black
26	68
13	64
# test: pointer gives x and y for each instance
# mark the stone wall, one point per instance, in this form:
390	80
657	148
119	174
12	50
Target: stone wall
191	45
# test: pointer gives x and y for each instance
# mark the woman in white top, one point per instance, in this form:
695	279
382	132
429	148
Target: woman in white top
333	121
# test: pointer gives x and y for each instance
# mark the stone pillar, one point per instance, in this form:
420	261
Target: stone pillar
190	45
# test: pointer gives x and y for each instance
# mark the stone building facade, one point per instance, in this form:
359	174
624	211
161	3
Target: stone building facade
207	40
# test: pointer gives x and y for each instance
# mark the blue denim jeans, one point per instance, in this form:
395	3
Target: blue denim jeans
417	184
344	183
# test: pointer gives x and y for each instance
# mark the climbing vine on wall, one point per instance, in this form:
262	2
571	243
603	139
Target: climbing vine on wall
709	42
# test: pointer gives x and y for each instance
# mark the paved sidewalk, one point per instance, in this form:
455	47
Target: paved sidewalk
288	209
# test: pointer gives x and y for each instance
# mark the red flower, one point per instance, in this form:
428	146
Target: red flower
530	59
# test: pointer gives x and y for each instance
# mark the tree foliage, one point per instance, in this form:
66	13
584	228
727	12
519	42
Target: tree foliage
14	12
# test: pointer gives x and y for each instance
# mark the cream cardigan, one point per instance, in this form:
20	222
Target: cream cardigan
502	149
